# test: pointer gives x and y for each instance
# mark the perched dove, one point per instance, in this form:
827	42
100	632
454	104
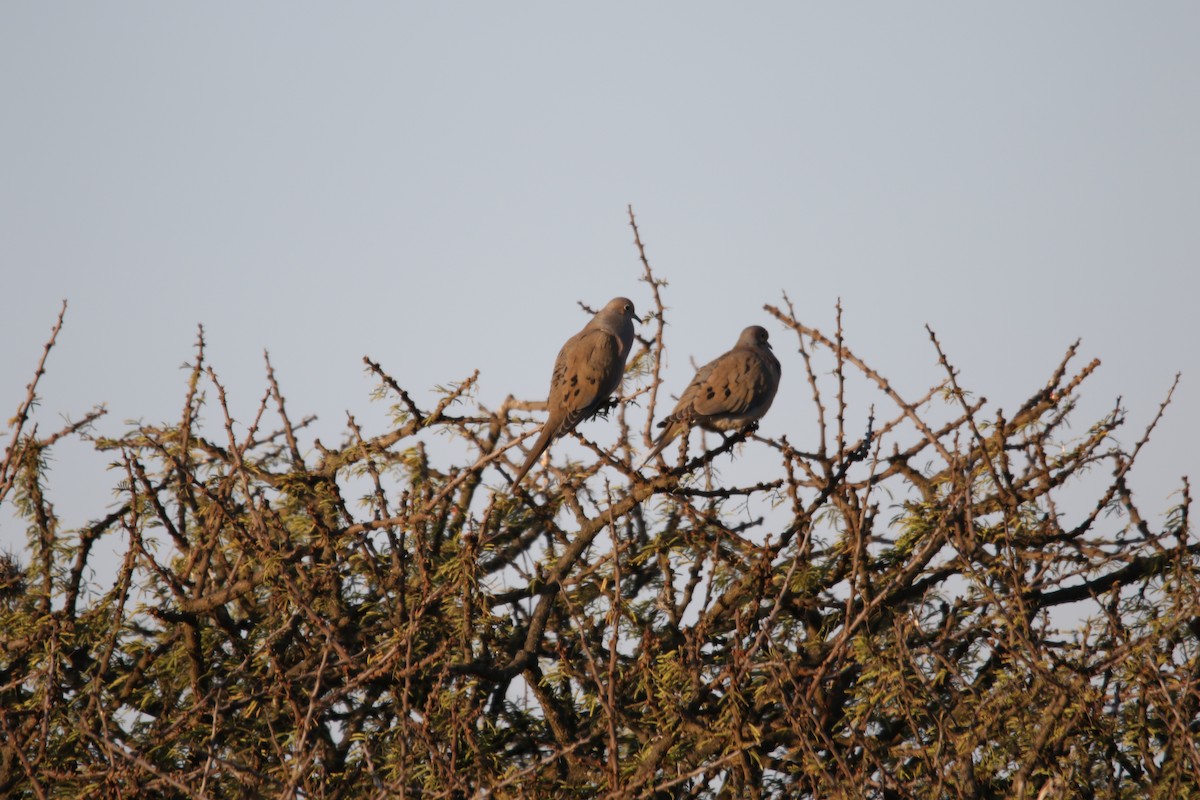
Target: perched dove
728	393
588	369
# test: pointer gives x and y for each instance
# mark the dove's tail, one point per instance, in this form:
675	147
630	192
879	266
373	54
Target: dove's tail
664	439
539	447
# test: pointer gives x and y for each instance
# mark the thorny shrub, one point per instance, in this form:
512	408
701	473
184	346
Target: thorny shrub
905	611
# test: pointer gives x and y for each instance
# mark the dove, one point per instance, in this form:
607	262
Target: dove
588	369
728	393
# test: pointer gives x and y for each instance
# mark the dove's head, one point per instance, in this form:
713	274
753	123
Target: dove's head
620	307
618	314
617	318
754	336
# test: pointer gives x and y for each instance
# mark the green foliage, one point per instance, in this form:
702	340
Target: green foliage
929	623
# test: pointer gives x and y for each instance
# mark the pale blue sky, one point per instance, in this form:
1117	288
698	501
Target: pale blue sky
436	185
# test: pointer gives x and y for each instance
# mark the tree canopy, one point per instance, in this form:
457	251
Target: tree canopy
909	608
